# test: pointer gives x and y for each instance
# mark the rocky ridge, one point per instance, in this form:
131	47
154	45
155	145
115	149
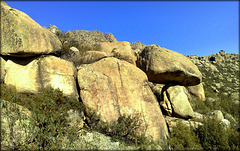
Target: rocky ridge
120	78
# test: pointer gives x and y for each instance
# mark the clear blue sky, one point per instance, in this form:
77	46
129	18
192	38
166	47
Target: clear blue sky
187	27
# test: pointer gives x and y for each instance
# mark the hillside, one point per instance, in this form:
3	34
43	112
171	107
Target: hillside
85	90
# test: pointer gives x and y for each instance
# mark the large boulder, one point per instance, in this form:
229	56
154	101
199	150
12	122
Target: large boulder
165	66
31	75
179	101
22	36
112	87
121	50
59	74
23	74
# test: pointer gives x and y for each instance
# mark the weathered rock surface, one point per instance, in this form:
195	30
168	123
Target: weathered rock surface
59	74
198	117
137	45
23	74
87	57
21	36
121	50
173	100
165	66
197	91
53	29
113	87
109	37
92	56
179	102
33	74
2	68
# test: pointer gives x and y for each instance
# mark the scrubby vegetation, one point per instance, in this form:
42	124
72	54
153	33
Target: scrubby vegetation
124	129
212	135
183	138
46	126
48	117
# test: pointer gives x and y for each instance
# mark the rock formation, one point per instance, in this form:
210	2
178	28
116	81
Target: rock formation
113	87
116	78
33	74
165	66
121	50
21	36
88	37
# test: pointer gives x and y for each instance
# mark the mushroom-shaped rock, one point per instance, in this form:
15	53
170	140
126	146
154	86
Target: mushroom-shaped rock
165	66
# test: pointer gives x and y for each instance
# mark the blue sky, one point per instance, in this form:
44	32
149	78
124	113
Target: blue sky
188	27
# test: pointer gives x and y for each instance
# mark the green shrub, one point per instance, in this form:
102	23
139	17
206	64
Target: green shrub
198	105
214	136
126	128
48	116
183	137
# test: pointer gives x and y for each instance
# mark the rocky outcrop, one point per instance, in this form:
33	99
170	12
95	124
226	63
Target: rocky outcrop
53	29
112	87
109	37
216	114
137	45
219	72
21	36
109	81
174	100
165	66
88	37
33	74
121	50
